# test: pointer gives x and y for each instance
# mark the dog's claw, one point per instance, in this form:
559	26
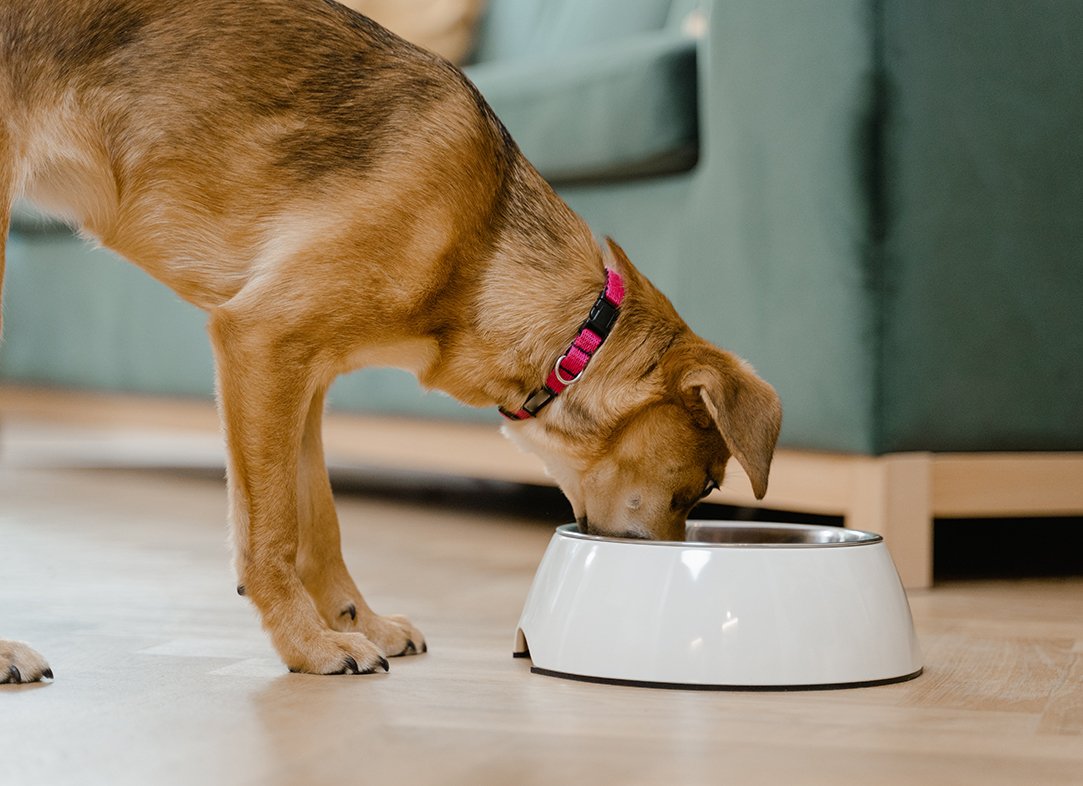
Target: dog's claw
15	676
385	664
411	648
349	666
241	590
351	610
353	668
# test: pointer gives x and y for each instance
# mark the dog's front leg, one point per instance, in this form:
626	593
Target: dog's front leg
266	383
320	564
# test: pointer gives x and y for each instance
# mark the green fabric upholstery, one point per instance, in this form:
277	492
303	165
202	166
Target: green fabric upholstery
883	215
620	109
79	316
983	306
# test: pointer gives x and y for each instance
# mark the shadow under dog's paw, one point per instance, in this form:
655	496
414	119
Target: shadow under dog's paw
19	663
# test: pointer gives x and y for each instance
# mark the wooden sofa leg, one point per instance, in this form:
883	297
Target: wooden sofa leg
892	495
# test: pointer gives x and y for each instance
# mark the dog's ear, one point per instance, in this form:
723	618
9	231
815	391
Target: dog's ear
720	388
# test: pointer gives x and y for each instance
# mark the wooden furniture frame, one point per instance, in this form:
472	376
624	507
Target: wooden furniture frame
897	495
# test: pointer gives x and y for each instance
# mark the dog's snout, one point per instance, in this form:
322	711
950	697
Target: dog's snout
588	528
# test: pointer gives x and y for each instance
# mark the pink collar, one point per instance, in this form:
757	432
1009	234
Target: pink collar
571	365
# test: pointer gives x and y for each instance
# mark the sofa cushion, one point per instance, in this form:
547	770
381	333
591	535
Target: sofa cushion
539	29
621	109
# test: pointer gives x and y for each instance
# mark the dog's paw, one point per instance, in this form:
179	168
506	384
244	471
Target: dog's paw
21	663
339	653
396	635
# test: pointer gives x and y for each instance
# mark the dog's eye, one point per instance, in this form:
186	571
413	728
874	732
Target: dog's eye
686	500
711	486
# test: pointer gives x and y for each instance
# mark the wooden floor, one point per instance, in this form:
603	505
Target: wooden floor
121	578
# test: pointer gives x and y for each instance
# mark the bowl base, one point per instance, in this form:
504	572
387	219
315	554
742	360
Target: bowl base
696	686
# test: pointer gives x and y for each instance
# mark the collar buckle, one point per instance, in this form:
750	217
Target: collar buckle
532	406
602	317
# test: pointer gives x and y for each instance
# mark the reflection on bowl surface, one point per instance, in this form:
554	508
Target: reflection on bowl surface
731	534
774	534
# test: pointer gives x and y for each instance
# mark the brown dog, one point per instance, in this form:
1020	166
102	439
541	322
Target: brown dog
334	197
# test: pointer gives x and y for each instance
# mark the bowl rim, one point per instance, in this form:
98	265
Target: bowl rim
856	537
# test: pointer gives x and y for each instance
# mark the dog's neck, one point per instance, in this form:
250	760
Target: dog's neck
541	274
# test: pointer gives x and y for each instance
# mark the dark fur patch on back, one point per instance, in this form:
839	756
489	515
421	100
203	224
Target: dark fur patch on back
98	37
75	42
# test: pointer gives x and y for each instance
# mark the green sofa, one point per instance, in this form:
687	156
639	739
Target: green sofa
877	202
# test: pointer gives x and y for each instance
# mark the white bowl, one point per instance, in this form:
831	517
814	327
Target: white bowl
735	606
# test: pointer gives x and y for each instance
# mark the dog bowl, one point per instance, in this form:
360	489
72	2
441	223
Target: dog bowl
737	606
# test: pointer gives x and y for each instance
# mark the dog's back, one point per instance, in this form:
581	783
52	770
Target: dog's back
179	137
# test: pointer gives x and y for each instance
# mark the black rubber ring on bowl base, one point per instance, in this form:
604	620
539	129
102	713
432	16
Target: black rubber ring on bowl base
736	688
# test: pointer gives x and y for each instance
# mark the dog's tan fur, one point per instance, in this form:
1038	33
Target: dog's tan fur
334	197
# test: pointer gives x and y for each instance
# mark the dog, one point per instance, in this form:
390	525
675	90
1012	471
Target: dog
334	197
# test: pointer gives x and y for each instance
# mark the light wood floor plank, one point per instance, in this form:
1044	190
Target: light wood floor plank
1000	674
1064	712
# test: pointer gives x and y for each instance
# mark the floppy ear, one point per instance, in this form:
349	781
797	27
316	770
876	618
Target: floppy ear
744	408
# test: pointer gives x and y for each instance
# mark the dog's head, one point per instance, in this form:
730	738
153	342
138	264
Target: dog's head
647	434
